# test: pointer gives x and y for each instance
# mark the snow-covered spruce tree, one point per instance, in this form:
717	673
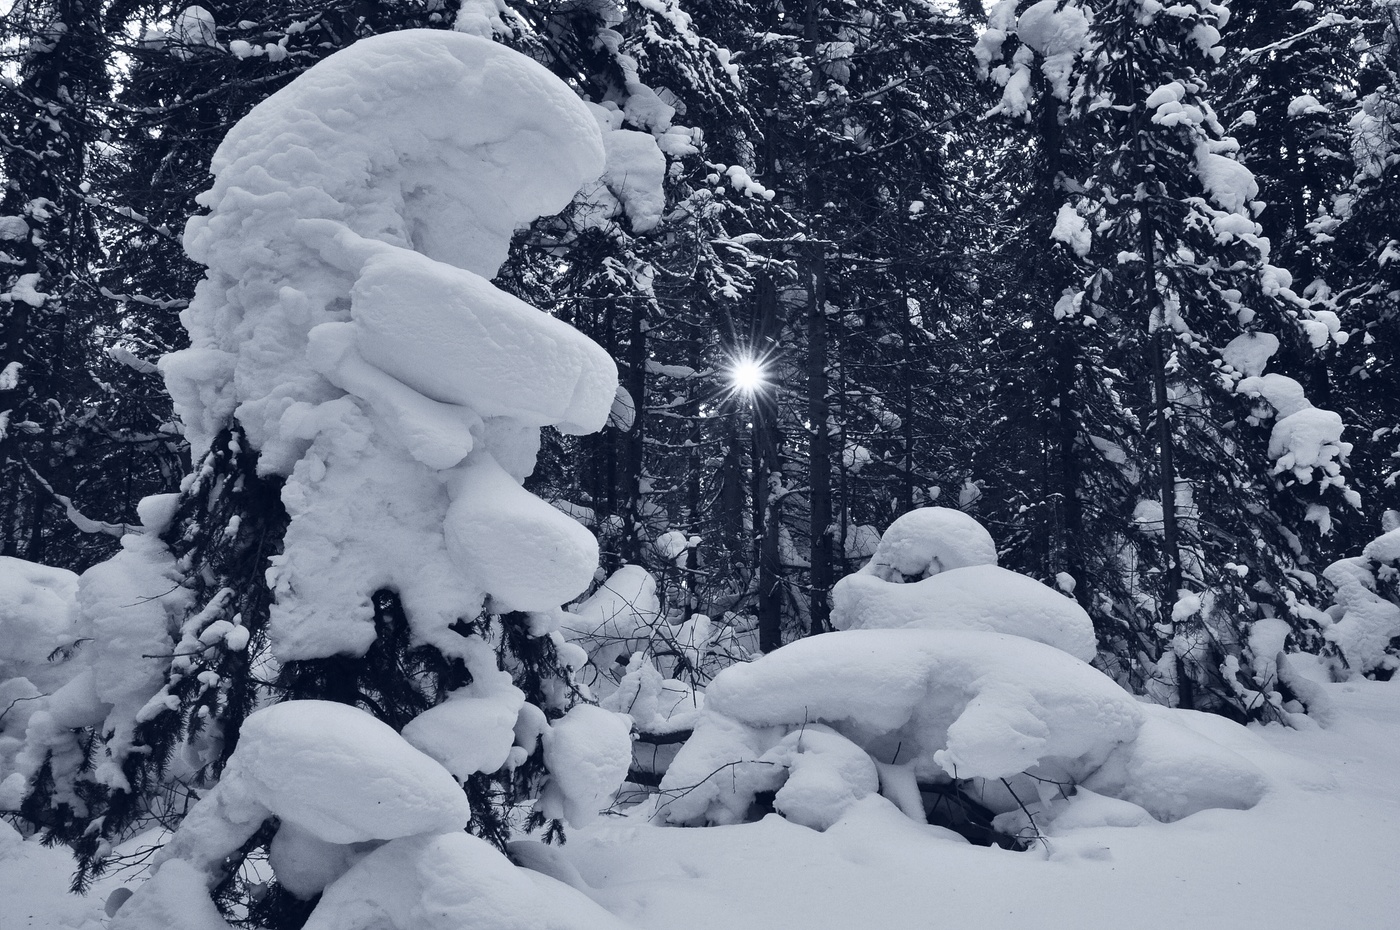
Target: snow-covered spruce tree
1363	274
1176	268
363	405
190	72
1285	90
55	59
1057	493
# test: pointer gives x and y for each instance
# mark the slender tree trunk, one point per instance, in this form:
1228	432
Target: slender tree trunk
819	474
1159	334
634	440
767	471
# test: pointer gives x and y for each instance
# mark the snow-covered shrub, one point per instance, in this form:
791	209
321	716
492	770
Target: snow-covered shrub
37	609
979	597
363	819
648	663
973	687
364	404
1366	611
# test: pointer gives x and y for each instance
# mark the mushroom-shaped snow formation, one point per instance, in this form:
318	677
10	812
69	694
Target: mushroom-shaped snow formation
950	703
939	707
956	586
348	322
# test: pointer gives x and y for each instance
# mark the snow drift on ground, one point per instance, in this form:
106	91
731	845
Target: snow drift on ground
1318	851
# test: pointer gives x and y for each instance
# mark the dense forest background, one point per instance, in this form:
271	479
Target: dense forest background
1000	260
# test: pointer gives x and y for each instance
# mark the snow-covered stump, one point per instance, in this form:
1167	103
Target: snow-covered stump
969	685
349	354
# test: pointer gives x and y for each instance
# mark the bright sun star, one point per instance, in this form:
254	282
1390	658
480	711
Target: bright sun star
747	375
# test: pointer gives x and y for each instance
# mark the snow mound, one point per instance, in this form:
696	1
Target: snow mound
1172	771
472	731
949	703
827	773
448	882
930	540
290	754
587	752
174	899
37	607
979	597
305	864
905	711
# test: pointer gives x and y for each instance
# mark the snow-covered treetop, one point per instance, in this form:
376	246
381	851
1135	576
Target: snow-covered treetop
438	143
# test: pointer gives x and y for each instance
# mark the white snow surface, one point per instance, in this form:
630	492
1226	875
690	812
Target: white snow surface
1331	821
449	882
979	597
